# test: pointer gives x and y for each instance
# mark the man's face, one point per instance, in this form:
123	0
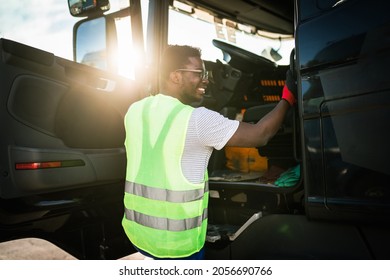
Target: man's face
194	82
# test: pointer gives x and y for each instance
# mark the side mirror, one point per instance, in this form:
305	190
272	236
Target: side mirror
92	45
88	8
271	54
275	55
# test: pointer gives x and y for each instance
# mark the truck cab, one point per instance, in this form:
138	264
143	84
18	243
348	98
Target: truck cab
317	190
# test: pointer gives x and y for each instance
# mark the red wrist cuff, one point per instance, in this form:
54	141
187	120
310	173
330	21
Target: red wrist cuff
288	96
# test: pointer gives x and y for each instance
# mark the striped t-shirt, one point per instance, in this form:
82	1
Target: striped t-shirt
207	130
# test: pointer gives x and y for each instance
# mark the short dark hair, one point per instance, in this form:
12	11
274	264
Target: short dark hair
176	57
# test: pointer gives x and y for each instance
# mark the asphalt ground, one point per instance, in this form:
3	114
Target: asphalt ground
38	249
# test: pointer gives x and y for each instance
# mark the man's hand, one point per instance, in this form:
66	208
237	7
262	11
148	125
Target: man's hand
290	89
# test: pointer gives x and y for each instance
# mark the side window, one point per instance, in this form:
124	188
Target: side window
94	46
129	53
126	57
109	43
184	29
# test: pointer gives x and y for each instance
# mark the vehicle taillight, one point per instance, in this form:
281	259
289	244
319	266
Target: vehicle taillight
48	164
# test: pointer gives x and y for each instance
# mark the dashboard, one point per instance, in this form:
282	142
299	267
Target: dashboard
242	80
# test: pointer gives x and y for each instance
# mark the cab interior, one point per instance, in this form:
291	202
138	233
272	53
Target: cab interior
247	183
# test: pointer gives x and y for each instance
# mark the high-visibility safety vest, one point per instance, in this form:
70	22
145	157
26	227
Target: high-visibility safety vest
165	214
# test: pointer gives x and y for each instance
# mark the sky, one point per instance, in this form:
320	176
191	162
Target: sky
26	21
44	24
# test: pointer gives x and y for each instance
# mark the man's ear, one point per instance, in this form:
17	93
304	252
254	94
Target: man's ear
175	77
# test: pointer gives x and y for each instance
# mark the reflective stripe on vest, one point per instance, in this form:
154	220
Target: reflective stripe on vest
164	223
164	194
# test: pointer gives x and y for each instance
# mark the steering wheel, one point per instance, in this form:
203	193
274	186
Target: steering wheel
236	52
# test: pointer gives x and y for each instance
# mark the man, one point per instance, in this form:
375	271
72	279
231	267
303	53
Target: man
168	145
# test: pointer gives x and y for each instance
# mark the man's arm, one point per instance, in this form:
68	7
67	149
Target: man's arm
256	135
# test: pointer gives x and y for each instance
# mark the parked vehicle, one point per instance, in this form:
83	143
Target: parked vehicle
318	190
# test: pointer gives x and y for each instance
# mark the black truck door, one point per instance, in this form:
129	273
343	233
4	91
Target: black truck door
343	53
62	158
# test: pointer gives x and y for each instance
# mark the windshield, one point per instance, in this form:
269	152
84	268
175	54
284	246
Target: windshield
191	26
51	29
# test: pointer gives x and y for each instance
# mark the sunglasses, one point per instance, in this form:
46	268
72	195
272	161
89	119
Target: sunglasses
204	75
